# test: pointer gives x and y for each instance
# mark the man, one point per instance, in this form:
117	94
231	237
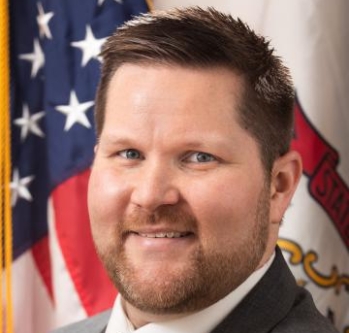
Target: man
192	176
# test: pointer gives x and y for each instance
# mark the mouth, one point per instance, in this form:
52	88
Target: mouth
172	234
163	243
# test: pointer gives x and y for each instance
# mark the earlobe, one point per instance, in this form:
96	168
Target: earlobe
286	173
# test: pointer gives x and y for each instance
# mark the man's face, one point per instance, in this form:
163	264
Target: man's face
178	200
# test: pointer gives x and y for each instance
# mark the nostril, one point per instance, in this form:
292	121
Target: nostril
151	197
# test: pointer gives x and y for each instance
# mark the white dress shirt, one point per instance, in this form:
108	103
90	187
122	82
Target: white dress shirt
199	322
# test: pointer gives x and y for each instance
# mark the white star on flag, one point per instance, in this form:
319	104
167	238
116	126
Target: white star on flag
29	123
75	112
90	46
43	19
19	187
36	58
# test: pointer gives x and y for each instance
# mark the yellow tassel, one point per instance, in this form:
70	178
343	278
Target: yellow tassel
6	316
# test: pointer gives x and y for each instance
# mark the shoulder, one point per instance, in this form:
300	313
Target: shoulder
304	317
93	324
276	305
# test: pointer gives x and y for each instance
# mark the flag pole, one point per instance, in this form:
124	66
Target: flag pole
6	317
150	5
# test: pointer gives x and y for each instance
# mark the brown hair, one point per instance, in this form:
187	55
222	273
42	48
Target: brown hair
195	37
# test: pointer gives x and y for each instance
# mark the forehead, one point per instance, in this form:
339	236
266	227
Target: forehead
173	95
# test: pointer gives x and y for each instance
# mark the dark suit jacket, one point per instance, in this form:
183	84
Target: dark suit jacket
276	304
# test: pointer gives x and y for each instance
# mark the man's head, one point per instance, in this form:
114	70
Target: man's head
192	173
197	38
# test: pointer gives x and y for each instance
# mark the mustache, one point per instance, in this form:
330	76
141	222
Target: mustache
166	216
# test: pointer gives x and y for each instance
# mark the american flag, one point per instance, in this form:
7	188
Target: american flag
54	47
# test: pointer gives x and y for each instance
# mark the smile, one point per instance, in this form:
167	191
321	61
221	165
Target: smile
164	234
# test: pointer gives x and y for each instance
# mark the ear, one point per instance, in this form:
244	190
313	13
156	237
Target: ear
286	173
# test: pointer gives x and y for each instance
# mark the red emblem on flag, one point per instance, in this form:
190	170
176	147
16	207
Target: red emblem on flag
320	160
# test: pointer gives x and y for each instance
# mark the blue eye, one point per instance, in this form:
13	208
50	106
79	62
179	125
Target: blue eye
130	154
204	157
201	157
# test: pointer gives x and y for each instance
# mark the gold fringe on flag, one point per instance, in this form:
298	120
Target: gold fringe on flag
6	308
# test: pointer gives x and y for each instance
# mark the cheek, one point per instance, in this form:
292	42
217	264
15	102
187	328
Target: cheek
107	196
225	210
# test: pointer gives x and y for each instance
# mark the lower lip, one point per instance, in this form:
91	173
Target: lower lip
148	244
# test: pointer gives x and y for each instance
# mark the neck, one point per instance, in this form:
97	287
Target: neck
270	248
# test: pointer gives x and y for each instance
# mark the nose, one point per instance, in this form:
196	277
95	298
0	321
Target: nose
154	187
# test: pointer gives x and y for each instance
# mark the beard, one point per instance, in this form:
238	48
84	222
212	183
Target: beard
206	277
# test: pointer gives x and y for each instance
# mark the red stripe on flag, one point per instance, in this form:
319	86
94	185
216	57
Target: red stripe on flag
74	236
41	255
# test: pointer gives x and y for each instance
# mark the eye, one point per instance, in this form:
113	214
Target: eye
200	157
130	154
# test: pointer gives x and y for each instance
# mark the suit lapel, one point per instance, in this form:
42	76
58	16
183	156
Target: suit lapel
266	304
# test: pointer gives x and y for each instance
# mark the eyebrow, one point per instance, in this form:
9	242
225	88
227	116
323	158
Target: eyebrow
113	140
208	141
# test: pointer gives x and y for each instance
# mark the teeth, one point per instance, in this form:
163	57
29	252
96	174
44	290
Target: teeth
163	235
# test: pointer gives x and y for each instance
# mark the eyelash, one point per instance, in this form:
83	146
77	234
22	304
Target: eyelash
127	154
211	158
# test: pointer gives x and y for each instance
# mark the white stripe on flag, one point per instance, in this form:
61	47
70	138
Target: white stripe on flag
30	297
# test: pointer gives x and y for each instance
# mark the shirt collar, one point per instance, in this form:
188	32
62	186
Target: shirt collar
199	322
